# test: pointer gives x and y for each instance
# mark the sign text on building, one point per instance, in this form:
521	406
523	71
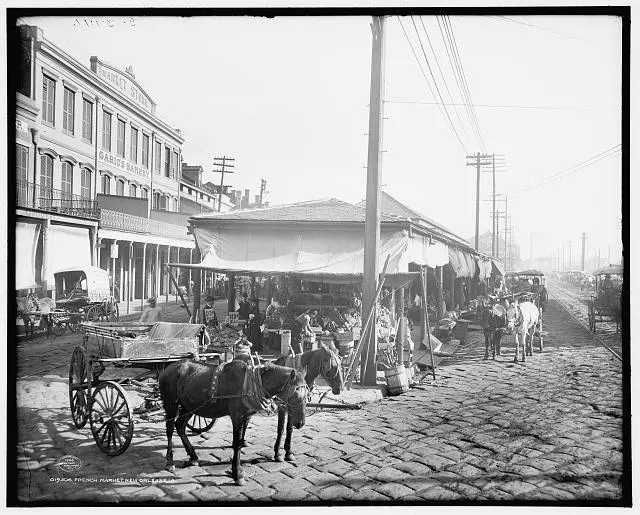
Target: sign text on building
123	164
124	84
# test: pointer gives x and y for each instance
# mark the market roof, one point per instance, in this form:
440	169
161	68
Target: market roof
611	270
528	272
323	210
392	206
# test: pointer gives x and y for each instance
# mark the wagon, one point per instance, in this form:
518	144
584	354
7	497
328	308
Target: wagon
134	354
83	291
605	304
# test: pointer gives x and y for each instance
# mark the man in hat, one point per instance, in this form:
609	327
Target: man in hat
151	313
254	331
245	307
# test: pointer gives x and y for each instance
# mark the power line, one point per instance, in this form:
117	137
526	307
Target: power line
415	55
447	21
506	18
443	79
580	166
435	82
544	108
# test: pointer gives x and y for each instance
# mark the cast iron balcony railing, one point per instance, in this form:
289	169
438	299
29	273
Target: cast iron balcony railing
33	196
129	223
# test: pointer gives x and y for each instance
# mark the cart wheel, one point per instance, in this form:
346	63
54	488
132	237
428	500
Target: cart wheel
94	314
80	379
110	419
58	328
198	424
540	337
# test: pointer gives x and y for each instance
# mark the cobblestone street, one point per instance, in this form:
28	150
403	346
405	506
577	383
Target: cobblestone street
549	429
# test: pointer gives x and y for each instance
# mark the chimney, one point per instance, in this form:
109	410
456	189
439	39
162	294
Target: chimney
257	200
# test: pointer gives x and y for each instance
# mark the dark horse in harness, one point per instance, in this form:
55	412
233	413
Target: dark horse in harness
493	319
324	362
186	389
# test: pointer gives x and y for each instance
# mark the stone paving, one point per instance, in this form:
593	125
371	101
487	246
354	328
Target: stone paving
548	430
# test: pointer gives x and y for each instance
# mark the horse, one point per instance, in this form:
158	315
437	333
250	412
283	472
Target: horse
322	361
493	319
187	388
523	318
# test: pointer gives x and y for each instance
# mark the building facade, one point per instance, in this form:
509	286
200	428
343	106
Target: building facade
199	197
98	173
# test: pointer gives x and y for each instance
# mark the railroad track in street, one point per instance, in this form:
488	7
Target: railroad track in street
576	306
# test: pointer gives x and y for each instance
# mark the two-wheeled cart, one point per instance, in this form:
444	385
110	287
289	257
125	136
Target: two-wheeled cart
143	351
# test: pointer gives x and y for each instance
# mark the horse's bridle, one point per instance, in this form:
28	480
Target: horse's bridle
519	318
325	371
289	391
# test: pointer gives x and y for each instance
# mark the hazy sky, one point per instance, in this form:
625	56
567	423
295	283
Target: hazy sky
288	99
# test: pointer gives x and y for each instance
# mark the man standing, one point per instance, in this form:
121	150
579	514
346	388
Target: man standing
151	313
245	308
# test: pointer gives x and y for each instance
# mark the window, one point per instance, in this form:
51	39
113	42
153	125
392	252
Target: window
48	100
167	162
67	184
144	193
133	190
87	120
106	184
175	205
22	160
120	138
145	151
85	184
164	202
46	181
120	188
133	147
155	202
174	165
68	110
158	156
106	131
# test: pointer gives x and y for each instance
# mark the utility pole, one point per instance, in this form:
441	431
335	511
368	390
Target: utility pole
493	227
263	187
372	220
477	160
584	240
223	167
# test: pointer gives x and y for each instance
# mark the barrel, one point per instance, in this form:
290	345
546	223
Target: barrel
397	381
344	348
285	341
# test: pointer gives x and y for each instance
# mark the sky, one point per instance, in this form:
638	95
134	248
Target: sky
288	98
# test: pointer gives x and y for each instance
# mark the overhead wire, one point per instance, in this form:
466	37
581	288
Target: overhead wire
415	55
606	154
444	80
456	52
506	18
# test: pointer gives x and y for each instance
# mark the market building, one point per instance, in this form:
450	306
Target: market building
98	173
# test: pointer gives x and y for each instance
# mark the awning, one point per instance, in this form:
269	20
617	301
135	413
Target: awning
497	267
313	254
27	235
484	267
68	245
462	263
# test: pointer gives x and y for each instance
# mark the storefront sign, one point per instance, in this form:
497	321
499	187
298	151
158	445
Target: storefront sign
122	164
22	126
124	84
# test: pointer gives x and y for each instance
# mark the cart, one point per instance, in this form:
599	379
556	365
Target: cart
605	304
143	351
84	290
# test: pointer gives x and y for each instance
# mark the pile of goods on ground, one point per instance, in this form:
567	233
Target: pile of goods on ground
223	337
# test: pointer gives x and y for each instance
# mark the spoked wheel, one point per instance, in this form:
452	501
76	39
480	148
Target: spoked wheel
94	314
74	323
110	419
198	424
80	379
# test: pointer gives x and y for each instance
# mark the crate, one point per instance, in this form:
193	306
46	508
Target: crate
308	345
347	336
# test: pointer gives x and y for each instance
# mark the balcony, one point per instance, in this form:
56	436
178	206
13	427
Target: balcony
135	224
33	196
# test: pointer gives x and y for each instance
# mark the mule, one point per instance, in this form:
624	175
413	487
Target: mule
523	318
186	389
322	361
493	319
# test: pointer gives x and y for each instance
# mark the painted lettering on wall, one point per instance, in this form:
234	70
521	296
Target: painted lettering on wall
122	164
125	86
21	126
